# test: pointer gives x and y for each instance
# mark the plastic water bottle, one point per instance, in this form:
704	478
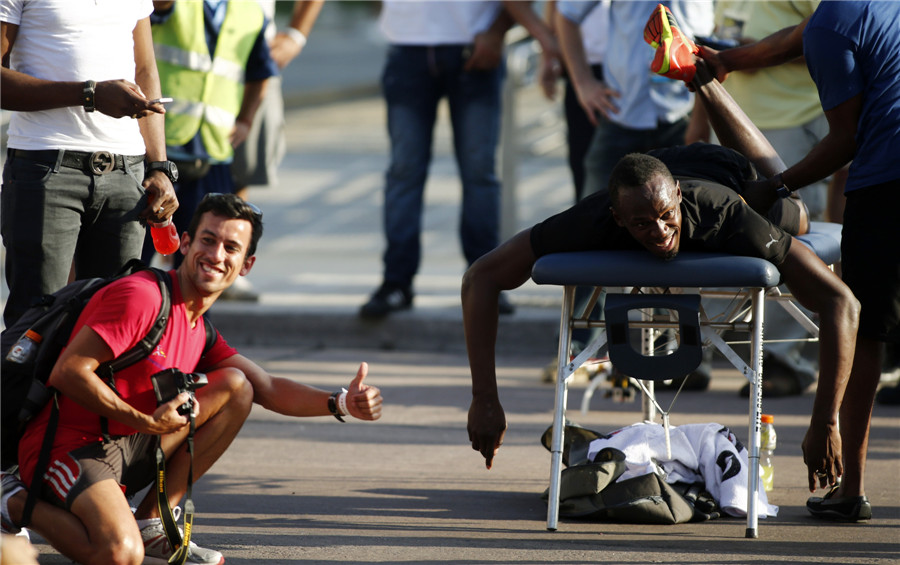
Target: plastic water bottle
165	237
25	348
768	441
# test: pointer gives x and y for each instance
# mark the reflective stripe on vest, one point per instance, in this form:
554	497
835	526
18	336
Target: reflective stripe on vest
207	90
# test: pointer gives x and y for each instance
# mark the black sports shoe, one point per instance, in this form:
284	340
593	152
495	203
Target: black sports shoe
388	298
847	509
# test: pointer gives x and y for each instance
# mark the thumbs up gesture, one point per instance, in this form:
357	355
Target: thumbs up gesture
363	401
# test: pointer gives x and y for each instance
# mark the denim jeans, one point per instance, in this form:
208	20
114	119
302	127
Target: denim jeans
415	79
54	215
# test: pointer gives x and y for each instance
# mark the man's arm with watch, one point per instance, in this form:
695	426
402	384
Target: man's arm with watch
25	93
835	150
160	174
292	398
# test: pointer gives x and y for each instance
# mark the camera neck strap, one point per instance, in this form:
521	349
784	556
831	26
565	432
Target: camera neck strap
179	546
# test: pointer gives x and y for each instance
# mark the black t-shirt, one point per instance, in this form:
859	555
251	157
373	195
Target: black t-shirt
714	219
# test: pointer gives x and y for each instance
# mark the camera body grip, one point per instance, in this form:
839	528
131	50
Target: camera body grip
169	383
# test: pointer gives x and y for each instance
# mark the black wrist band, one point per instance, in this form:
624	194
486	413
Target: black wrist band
782	189
87	95
332	406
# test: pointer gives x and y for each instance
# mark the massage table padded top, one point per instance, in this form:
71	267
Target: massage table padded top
688	269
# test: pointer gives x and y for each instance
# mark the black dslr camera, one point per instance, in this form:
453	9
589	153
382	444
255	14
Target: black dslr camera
170	383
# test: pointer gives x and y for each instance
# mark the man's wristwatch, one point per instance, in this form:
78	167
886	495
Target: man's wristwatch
333	405
88	90
167	167
782	189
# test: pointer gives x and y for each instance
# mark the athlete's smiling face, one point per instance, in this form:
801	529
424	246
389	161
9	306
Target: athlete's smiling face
652	215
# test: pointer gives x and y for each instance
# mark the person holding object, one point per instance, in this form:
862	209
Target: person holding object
86	156
783	103
852	51
214	61
83	511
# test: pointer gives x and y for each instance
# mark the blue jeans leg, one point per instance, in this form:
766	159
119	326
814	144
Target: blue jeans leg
475	113
412	94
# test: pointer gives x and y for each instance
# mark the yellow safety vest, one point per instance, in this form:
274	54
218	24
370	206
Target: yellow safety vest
207	90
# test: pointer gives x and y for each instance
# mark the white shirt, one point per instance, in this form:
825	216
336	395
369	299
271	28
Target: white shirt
707	453
435	22
268	8
594	31
75	40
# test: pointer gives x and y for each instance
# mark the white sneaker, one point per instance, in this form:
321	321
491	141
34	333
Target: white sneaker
158	552
10	485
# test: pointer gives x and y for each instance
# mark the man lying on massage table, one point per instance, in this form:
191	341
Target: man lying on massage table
646	207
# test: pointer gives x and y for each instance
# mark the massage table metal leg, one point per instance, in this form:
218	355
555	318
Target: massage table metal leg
559	409
648	339
756	355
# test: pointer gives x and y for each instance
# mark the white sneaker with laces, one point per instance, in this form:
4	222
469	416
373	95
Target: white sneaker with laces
158	552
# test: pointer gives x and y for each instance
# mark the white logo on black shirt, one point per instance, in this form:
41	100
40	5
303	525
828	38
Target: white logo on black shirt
768	245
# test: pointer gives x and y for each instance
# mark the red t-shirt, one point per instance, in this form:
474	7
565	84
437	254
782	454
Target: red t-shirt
121	314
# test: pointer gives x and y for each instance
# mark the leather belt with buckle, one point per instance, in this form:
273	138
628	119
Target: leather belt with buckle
102	162
98	162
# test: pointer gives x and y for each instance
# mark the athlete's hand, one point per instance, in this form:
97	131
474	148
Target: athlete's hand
822	455
487	426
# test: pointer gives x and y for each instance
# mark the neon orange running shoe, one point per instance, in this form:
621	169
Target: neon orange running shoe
674	50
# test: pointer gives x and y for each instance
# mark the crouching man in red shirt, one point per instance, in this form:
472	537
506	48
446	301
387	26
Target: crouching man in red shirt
83	511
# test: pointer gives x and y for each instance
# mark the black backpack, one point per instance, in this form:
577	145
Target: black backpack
24	392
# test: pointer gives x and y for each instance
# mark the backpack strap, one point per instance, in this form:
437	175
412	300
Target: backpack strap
144	347
211	336
149	342
42	463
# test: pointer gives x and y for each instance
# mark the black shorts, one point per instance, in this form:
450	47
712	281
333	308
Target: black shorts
727	167
129	460
870	258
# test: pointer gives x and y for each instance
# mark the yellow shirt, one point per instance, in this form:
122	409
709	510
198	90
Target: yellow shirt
777	97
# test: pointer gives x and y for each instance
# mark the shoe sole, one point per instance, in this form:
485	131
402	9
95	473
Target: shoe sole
834	516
